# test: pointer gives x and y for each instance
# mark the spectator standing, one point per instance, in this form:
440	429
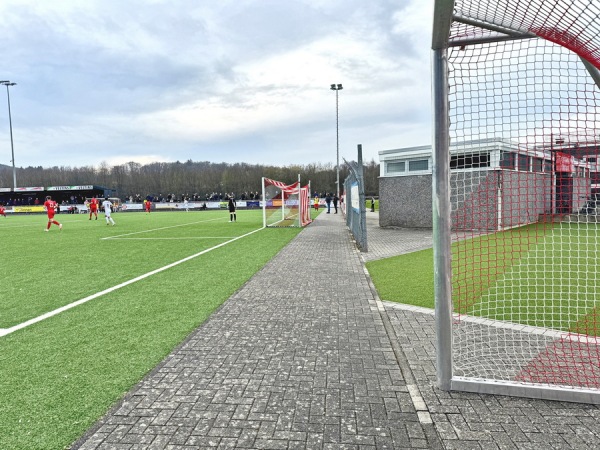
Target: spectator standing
328	201
51	207
335	202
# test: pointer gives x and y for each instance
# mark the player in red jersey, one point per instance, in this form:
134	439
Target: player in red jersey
2	211
148	204
51	206
94	208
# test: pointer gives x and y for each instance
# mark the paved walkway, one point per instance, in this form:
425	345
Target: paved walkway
318	361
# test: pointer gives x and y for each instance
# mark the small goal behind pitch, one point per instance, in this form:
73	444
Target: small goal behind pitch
285	205
516	197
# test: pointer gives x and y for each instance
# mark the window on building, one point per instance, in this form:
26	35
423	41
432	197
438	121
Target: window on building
418	165
507	160
523	163
547	166
537	165
395	167
470	161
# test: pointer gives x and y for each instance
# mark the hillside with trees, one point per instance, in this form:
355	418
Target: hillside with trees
200	178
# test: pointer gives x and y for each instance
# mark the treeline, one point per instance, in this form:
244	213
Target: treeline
186	178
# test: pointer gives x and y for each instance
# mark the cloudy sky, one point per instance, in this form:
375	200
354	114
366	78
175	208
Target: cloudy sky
114	81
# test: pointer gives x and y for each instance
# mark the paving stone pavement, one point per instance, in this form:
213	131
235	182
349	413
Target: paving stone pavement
318	361
386	242
466	420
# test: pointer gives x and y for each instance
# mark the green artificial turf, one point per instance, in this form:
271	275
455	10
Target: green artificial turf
58	376
405	279
541	275
368	204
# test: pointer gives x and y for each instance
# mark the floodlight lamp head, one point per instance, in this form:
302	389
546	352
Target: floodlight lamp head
6	81
340	87
332	86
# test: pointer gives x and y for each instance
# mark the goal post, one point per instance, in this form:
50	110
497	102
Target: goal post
516	197
285	205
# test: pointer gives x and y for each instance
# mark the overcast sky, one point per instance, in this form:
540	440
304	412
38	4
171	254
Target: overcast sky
115	81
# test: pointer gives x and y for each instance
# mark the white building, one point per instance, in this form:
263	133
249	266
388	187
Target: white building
495	184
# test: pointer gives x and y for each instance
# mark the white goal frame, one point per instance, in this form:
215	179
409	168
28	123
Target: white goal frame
449	13
303	203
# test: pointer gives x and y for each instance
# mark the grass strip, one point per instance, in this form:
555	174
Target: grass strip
59	376
540	275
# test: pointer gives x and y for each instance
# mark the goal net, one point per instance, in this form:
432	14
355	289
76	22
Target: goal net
285	205
517	195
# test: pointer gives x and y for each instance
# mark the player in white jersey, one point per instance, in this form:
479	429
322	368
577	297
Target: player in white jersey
107	205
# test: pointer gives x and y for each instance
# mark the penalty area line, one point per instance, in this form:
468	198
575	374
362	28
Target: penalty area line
171	239
161	228
7	331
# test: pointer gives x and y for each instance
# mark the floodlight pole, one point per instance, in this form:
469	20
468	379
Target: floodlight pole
12	147
553	173
553	208
337	88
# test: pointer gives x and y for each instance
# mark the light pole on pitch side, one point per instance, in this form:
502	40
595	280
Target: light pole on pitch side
12	147
337	88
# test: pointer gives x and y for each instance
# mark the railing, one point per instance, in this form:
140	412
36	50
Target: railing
354	202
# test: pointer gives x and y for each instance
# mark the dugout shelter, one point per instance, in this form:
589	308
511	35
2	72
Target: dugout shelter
31	199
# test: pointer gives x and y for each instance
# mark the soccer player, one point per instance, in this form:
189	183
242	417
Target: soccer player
2	211
94	207
316	203
107	205
51	207
147	204
231	206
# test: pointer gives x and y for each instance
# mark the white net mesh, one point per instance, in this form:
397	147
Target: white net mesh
281	208
285	205
525	143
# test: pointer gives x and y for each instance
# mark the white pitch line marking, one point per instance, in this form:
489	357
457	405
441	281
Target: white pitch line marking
6	331
160	228
171	239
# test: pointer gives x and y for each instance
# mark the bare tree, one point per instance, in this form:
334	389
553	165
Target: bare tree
186	179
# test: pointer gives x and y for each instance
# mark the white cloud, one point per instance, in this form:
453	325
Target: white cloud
222	81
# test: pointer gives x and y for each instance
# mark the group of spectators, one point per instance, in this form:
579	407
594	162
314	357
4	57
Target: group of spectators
138	198
32	200
21	201
212	197
216	197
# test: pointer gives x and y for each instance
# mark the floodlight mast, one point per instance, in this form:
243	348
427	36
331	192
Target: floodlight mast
337	88
12	146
